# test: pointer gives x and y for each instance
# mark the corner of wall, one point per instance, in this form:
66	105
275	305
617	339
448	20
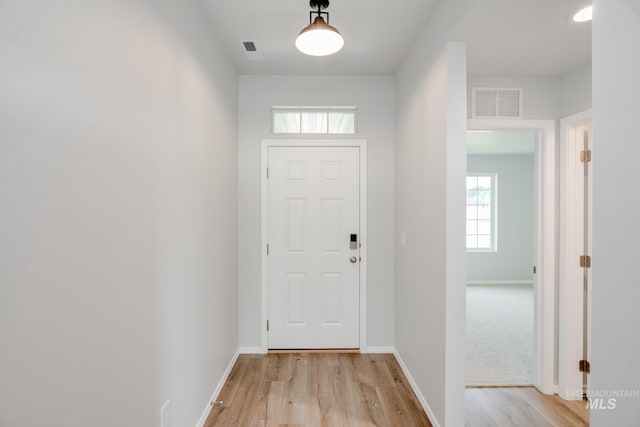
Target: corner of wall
216	392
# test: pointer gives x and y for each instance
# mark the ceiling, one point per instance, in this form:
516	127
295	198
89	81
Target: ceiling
525	38
274	26
500	142
506	38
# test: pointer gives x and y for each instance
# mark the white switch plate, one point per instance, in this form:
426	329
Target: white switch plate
403	239
165	414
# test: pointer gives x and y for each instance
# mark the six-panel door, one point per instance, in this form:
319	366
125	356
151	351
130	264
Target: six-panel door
313	272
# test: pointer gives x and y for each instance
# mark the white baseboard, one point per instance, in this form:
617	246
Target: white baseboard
250	350
217	391
416	390
499	282
380	349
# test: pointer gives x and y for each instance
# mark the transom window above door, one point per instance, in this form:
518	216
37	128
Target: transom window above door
481	212
314	120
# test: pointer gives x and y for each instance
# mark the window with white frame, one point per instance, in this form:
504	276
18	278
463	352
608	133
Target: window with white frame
314	120
481	212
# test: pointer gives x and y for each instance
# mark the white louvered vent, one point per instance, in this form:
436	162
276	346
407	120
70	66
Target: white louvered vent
496	103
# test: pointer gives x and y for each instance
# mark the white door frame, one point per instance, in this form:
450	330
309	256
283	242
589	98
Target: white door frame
544	328
570	303
362	145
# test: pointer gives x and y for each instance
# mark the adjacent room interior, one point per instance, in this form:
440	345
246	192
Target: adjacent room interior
500	258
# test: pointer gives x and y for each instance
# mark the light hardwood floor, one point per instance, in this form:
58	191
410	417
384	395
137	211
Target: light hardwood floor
521	407
352	390
330	390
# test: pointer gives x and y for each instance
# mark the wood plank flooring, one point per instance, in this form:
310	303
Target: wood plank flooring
353	390
521	407
318	389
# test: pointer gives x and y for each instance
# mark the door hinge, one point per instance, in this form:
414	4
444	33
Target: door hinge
585	156
585	261
584	366
267	326
267	173
535	269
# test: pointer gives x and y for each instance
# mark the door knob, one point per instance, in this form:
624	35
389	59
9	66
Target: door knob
353	260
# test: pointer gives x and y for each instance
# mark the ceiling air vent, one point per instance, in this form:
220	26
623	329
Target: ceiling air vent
250	46
251	50
496	103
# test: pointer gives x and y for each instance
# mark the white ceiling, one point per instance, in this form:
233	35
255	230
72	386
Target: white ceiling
377	34
506	38
525	38
500	142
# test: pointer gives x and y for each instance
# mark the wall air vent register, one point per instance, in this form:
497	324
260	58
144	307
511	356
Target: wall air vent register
496	103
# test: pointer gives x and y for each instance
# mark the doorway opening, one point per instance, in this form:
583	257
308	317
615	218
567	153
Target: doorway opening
538	369
500	232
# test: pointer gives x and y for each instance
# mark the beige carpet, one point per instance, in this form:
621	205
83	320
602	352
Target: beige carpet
499	335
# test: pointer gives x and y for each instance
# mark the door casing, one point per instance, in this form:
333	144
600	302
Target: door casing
362	145
571	298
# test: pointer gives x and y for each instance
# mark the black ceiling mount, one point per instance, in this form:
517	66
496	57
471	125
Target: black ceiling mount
319	4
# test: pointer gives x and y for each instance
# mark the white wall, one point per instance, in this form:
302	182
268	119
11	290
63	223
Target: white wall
430	171
540	97
118	213
513	260
551	98
374	97
576	91
616	209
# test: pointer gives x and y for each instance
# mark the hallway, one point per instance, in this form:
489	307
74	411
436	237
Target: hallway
351	389
326	389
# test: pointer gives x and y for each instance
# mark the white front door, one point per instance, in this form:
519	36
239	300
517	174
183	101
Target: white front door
313	268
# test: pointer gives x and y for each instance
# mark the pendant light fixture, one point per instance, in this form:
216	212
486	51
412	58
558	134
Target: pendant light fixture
319	38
